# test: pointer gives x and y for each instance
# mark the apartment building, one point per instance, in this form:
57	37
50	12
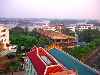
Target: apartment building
71	28
4	35
83	26
54	27
5	46
80	27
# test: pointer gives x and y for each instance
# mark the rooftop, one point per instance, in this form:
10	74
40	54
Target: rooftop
55	35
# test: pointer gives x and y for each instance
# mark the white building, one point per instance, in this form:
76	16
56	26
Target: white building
5	43
71	27
48	27
4	35
80	26
85	26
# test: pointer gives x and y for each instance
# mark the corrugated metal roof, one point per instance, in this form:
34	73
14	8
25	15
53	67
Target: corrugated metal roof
71	62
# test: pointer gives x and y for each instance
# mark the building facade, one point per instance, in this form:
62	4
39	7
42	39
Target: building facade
5	46
71	28
55	27
4	35
57	39
83	26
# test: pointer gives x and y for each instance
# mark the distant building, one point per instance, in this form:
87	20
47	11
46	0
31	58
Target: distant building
83	26
71	28
98	27
49	28
44	22
10	26
80	26
57	27
37	25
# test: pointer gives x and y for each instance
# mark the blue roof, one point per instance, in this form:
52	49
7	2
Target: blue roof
70	62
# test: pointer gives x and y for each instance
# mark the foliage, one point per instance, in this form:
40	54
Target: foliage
27	40
14	66
81	52
68	32
18	29
92	39
88	35
97	41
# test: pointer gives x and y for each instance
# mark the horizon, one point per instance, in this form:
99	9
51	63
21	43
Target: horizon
45	18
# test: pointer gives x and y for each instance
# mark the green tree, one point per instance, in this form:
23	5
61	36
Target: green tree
14	66
88	35
28	40
97	41
17	29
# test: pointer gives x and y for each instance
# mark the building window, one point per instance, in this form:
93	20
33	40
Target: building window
4	30
5	40
3	35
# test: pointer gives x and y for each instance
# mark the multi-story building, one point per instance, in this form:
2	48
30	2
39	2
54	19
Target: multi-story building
4	35
80	26
71	28
57	39
57	27
85	26
5	46
48	27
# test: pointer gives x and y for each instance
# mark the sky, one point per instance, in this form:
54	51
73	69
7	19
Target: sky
72	9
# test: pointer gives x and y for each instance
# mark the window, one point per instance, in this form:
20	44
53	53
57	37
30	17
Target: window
3	35
4	30
5	40
46	60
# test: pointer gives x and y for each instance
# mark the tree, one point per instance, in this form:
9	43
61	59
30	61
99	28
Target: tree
28	40
17	29
14	66
97	41
88	35
82	52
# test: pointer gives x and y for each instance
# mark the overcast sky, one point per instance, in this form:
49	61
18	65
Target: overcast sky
75	9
